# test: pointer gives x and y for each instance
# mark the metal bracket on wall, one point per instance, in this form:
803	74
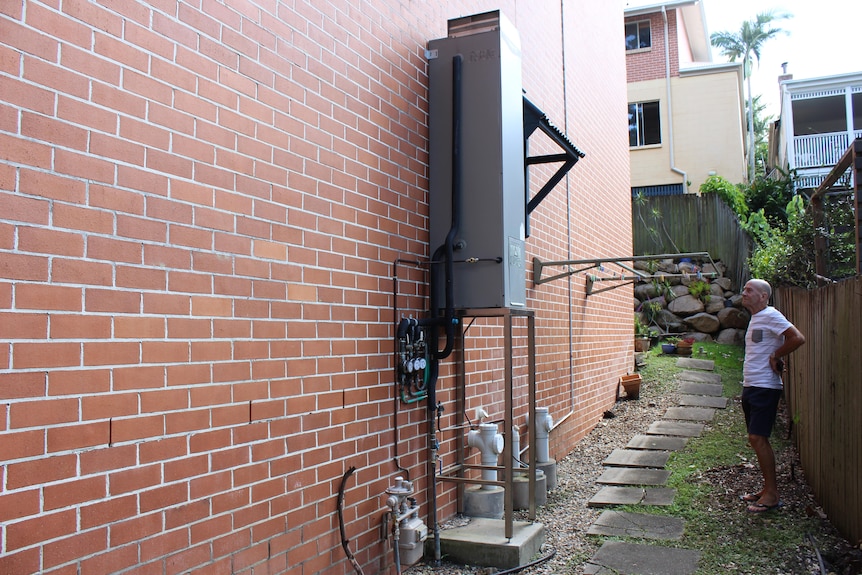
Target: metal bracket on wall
534	118
620	262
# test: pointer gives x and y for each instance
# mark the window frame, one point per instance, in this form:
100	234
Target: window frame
639	25
641	126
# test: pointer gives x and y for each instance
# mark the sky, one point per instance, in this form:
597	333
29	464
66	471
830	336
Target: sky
822	39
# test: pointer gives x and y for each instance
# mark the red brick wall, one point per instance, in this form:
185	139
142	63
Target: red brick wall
200	207
649	64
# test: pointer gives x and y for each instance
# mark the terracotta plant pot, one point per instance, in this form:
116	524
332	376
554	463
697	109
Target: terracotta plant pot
632	384
641	344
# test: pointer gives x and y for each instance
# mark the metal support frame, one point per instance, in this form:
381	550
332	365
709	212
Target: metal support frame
588	264
534	119
455	473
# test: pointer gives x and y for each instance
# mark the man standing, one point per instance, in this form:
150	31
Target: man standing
770	337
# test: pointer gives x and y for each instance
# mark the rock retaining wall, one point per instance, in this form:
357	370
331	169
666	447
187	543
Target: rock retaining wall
690	299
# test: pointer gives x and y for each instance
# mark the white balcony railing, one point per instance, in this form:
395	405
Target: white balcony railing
820	150
817	155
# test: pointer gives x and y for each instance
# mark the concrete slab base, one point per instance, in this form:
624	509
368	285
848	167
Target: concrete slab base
631	476
483	542
690	413
636	458
703	401
680	428
692	363
659	442
695	388
607	496
642	525
699	377
619	558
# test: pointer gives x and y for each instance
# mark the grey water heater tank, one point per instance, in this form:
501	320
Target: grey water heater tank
488	269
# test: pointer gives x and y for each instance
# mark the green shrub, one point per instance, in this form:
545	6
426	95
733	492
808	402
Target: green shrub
730	194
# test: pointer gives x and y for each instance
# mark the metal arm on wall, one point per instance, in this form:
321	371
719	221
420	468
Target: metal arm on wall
588	264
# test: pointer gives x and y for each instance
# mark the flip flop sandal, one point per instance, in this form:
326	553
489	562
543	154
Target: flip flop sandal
749	497
761	508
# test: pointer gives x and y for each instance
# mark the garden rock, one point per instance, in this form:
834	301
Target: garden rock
731	336
718	268
703	322
686	305
725	283
646	291
715	305
731	317
669	321
668	266
679	290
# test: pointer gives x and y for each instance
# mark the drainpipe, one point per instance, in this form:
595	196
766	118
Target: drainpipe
670	104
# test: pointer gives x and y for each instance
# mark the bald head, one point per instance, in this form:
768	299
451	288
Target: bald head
755	295
762	286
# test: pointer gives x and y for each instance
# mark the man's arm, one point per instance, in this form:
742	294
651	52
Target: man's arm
793	339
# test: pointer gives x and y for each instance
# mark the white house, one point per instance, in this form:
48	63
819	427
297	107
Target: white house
819	119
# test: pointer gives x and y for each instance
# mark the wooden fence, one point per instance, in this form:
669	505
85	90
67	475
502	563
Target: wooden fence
688	223
824	396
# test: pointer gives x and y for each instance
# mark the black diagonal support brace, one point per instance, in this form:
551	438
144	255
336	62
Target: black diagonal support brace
534	119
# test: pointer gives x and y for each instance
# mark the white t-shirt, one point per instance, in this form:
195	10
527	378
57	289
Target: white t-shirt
761	339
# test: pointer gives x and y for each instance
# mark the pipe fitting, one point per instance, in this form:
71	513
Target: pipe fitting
490	445
544	424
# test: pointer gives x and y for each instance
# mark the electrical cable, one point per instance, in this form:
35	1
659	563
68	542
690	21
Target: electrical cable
345	543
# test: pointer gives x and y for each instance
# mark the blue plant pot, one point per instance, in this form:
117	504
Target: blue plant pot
668	348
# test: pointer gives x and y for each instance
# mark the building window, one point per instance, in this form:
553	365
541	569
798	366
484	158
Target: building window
638	35
644	124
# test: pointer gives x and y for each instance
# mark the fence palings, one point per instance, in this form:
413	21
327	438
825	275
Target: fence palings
824	395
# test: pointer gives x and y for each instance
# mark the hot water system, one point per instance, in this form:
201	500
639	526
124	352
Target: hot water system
479	207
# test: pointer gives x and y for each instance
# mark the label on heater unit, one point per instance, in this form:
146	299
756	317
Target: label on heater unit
517	279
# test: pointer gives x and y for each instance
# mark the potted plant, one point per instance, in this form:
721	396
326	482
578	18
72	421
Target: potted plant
632	385
683	347
669	345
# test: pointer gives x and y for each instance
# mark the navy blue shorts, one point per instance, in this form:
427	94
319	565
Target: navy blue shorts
760	406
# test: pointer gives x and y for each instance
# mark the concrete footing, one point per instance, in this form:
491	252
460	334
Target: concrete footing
483	542
549	468
488	503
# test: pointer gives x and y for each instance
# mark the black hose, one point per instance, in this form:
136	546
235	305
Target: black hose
520	568
340	508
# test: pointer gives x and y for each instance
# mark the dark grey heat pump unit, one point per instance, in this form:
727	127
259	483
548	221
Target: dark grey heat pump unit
479	126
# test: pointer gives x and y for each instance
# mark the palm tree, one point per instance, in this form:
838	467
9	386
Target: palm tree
747	44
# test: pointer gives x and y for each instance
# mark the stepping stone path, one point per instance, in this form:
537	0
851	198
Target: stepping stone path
640	464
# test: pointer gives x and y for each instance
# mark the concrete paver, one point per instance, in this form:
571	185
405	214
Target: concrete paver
695	388
692	363
703	401
699	377
659	442
611	495
632	476
690	413
680	428
620	558
636	458
643	525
